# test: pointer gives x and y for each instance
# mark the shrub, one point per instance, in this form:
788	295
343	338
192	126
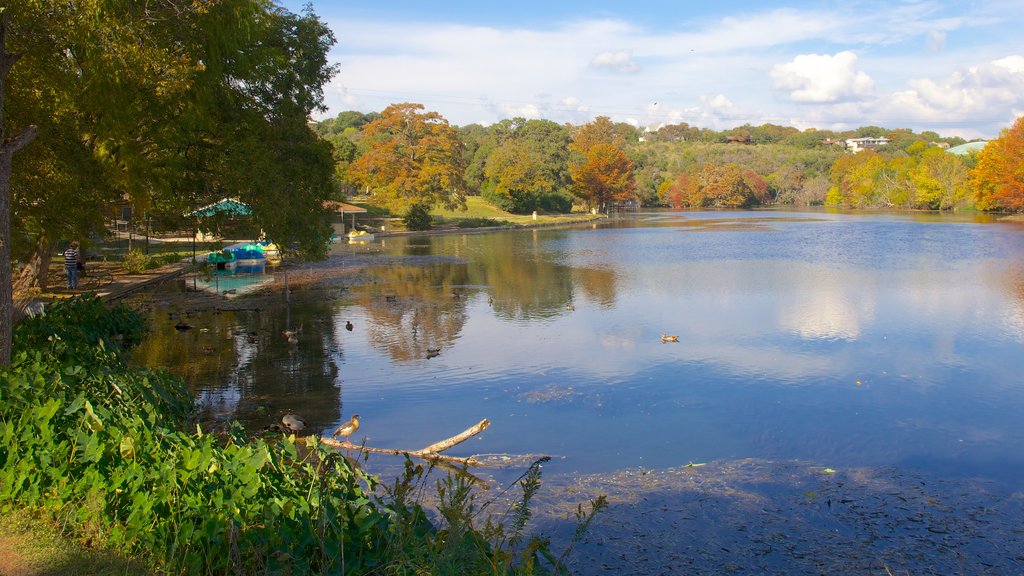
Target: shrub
135	261
417	218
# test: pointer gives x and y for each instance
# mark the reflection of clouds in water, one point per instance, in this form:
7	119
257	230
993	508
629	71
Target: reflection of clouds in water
1012	325
828	308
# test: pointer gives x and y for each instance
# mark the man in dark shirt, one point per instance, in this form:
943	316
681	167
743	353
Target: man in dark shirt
71	265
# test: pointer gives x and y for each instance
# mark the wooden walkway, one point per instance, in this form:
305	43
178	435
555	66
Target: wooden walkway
120	284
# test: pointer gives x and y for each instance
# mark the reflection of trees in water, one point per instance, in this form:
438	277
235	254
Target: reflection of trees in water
242	367
414	309
524	279
597	285
1014	279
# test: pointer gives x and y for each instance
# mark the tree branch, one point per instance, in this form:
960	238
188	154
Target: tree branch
18	142
458	438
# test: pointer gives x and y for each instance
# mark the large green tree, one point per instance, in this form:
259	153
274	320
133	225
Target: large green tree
165	106
528	169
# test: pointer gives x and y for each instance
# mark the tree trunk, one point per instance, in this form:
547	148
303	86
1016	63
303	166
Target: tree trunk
7	150
33	275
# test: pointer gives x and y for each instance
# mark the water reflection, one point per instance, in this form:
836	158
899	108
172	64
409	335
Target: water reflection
843	339
414	311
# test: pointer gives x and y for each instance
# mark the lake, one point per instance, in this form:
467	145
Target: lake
852	381
843	340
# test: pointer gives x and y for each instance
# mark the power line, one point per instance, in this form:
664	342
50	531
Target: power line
685	114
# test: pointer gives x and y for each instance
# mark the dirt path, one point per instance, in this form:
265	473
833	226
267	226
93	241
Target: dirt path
11	561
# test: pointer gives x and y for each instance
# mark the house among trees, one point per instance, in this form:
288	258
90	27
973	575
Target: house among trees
867	143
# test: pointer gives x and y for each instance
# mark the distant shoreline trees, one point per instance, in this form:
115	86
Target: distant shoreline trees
515	163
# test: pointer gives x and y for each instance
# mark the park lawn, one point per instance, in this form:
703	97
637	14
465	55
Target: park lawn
477	208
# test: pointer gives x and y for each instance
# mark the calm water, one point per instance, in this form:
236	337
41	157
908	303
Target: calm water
844	340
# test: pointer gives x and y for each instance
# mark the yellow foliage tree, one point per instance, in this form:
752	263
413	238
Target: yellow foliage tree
941	180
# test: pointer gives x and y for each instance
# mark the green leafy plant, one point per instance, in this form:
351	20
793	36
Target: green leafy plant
135	261
417	217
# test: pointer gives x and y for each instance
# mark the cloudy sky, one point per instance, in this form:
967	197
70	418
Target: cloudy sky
954	67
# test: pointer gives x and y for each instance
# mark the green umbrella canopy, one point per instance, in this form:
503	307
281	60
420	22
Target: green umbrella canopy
226	206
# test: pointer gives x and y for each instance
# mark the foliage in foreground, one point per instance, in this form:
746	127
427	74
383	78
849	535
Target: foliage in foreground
99	447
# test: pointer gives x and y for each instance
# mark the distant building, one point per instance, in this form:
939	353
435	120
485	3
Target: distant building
965	149
858	144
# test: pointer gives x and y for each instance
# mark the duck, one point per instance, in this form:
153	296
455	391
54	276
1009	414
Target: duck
432	352
292	336
667	338
570	307
348	428
348	325
182	326
293	423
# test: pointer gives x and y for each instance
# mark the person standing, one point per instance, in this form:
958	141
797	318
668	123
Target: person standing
71	265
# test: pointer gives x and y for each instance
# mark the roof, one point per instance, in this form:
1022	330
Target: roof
229	206
343	208
964	149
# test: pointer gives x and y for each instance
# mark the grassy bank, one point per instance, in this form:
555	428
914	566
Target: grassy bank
106	451
478	214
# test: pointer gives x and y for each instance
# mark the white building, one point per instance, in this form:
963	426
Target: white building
858	144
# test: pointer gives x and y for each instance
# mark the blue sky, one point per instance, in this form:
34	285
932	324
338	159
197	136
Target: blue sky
953	67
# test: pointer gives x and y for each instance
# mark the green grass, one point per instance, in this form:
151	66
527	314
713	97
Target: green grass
478	210
33	546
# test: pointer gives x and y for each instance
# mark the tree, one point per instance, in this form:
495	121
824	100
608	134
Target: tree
412	158
8	146
604	177
854	179
600	170
941	180
165	106
719	186
999	176
529	165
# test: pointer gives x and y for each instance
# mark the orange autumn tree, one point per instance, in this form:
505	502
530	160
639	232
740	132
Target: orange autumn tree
999	176
413	160
601	172
718	186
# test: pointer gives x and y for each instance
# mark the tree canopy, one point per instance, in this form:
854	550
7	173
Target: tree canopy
601	172
528	166
412	158
999	176
163	106
167	106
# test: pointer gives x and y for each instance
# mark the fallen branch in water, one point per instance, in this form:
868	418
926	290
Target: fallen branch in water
431	453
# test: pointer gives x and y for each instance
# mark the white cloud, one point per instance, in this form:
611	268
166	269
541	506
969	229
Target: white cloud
620	62
823	78
572	69
995	87
935	41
